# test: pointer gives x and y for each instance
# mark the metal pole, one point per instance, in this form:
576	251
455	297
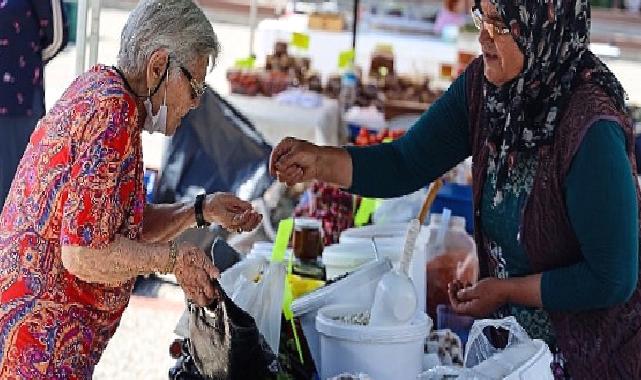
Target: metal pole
355	24
95	32
81	36
253	15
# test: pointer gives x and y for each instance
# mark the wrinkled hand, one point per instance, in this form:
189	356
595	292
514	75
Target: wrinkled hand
195	273
231	213
478	300
294	161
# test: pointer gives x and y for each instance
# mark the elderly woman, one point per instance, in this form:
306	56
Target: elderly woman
72	237
555	198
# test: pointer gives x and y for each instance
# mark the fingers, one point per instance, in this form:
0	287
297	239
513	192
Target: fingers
293	173
282	148
452	290
196	274
211	270
200	299
236	204
467	308
292	176
468	294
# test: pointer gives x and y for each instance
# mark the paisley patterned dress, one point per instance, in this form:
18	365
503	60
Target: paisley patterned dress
79	183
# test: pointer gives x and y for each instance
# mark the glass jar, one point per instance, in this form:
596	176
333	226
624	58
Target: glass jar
308	239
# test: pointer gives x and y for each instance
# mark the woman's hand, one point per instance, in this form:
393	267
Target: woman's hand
231	212
195	273
478	300
294	161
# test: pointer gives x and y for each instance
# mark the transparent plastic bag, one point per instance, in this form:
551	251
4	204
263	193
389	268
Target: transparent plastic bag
257	287
506	332
495	350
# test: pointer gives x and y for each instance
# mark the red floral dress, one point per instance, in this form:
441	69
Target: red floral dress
79	183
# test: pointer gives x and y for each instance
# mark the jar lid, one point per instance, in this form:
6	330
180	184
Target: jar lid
307	223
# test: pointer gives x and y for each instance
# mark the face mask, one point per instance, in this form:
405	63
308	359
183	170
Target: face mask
157	122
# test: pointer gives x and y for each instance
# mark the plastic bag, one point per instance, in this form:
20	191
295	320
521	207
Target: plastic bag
505	333
225	343
399	210
495	350
448	373
257	287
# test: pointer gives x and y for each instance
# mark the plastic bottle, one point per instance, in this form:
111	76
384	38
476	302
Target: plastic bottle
349	81
457	259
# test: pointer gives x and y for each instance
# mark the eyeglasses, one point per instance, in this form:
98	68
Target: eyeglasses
492	28
197	88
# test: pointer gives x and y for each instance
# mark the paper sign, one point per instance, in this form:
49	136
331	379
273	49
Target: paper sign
245	63
365	211
285	228
300	40
345	58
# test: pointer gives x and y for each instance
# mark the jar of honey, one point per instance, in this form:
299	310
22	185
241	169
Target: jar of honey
308	239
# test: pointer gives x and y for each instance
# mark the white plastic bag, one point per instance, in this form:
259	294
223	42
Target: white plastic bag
479	348
257	287
449	372
399	210
520	358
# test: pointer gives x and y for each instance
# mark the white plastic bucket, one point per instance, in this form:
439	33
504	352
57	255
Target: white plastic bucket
394	234
394	352
340	259
357	288
382	233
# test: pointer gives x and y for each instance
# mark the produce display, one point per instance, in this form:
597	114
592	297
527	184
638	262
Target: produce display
283	70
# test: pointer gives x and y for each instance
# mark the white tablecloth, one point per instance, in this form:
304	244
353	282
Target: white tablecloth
276	121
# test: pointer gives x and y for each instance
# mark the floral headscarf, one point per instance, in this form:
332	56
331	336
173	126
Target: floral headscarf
522	115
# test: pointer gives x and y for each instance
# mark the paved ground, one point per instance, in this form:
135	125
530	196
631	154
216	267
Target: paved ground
140	348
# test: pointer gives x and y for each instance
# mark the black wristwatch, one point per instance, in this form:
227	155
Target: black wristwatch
198	210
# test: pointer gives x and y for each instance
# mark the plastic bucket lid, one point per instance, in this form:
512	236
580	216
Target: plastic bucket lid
356	254
265	251
327	325
307	223
391	230
319	298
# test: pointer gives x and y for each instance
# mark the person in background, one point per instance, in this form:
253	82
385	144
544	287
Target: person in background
75	230
556	201
453	13
32	32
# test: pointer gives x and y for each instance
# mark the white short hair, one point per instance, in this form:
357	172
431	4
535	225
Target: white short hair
179	26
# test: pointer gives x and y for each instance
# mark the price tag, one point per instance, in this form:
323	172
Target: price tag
245	63
285	228
300	40
345	58
365	211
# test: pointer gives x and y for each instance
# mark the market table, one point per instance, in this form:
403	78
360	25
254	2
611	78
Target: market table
275	121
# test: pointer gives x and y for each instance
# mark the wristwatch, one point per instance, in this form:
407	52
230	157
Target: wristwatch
198	210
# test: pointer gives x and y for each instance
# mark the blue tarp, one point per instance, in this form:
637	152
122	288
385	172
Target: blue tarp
215	149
